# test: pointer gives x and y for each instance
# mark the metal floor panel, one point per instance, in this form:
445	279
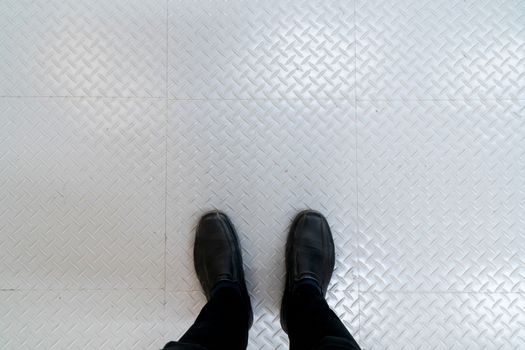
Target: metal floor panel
83	48
442	320
121	122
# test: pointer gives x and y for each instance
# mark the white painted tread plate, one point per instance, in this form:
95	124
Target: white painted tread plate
121	122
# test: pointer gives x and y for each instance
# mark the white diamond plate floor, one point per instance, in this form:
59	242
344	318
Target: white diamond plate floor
122	121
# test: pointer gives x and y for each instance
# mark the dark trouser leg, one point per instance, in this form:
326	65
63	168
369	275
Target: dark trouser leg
312	324
222	322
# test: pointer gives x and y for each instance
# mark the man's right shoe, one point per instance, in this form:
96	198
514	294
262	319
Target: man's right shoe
310	255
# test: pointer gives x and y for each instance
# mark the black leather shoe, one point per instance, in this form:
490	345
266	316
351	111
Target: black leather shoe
310	254
217	255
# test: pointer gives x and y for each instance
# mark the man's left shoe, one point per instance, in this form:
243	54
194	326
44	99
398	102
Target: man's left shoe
217	255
